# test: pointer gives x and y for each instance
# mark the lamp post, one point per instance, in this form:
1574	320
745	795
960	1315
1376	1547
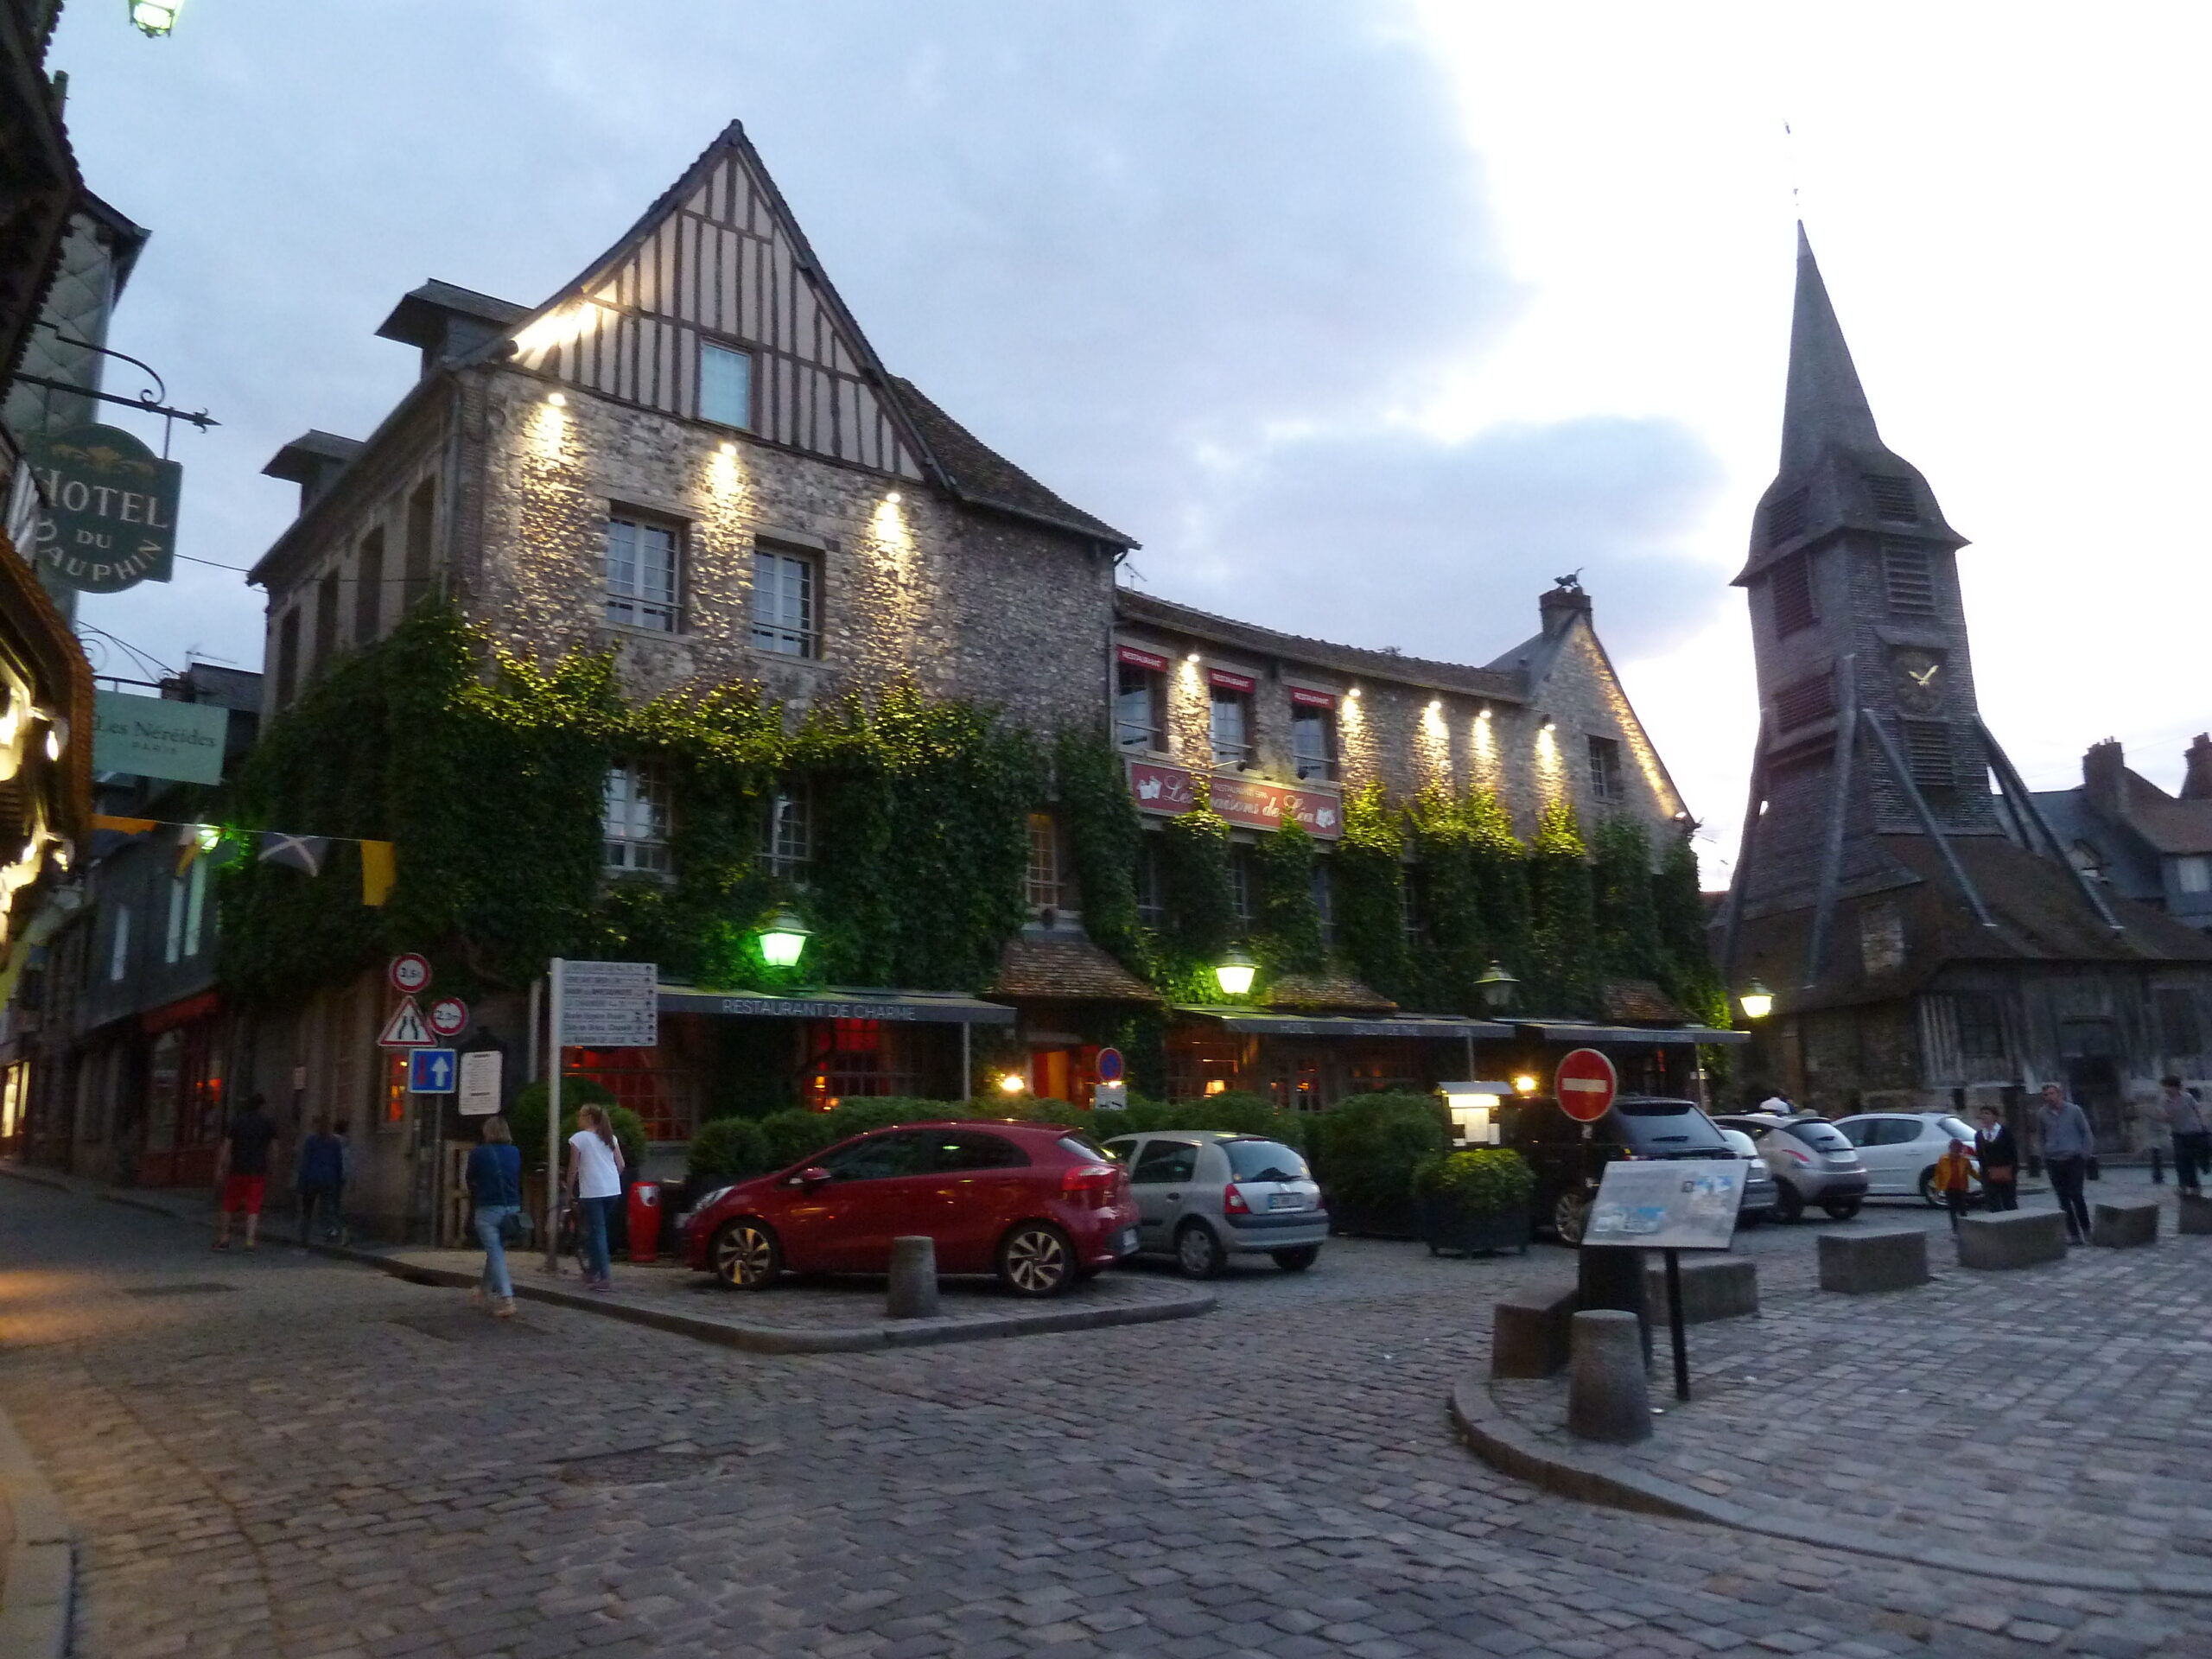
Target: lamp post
1497	989
1755	1000
155	18
784	940
1234	972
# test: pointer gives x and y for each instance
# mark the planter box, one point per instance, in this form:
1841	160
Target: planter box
1443	1227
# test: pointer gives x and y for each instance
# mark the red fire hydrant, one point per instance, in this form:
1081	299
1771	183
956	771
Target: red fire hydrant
645	1220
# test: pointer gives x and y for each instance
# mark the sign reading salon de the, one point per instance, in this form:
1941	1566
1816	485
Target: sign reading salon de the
111	524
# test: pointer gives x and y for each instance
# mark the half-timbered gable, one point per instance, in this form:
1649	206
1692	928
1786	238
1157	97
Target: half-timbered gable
719	262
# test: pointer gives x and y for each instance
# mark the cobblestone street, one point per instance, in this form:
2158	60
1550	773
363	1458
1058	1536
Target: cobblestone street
279	1455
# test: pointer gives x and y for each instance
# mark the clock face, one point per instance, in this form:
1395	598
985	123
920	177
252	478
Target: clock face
1919	678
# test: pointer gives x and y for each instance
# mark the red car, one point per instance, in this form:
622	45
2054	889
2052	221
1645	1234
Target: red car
1039	1206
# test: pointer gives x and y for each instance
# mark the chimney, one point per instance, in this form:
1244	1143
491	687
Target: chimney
1562	603
2197	781
2104	778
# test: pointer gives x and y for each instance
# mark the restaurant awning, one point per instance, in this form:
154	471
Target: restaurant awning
1569	1031
923	1007
1254	1023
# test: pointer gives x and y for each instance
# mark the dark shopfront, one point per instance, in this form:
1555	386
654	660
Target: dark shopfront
1650	1060
1308	1063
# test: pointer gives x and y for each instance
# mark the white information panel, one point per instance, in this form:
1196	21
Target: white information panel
1667	1203
480	1082
610	1004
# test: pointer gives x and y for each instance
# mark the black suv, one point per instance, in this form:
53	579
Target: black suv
1569	1157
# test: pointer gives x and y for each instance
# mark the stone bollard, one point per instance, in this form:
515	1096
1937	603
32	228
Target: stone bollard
2195	1214
1607	1398
913	1279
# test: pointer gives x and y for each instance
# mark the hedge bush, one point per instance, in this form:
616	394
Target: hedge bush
1367	1147
527	1121
727	1149
1234	1113
1484	1181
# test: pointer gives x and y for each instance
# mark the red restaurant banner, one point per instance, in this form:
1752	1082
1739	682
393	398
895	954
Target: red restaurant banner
1243	801
1136	658
1228	681
1306	699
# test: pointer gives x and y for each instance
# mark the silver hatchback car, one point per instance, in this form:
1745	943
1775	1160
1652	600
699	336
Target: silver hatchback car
1204	1195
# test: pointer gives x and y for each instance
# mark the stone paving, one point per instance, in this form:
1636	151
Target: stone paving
285	1455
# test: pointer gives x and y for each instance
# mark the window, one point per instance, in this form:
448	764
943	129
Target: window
1413	910
288	657
1314	735
1802	702
880	1158
1151	900
1240	884
725	386
1165	1161
1927	753
1231	720
118	944
1792	586
195	906
786	609
641	571
1893	499
1324	900
963	1151
1787	517
326	624
1981	1026
173	945
1044	882
2178	1022
368	590
1605	770
421	511
636	820
1909	580
787	833
1139	699
2193	874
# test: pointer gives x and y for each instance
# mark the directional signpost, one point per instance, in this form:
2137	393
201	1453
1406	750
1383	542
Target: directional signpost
594	1005
432	1071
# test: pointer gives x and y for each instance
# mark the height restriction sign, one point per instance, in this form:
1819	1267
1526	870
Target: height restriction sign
1586	1084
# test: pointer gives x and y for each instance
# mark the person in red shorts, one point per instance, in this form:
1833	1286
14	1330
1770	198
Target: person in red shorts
242	1168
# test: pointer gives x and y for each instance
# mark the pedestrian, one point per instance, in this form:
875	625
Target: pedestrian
341	1131
2000	1160
2185	1122
495	1195
2062	1128
595	1184
242	1167
1954	1179
1777	1105
322	1173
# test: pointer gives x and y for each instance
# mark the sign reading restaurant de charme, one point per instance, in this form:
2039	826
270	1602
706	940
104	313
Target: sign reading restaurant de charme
111	522
1244	801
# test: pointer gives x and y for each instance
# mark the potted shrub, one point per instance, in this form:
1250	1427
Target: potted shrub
1473	1200
1367	1147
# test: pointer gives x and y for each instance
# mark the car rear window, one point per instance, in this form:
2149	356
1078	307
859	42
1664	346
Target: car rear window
1262	1161
1082	1146
1821	1137
1958	1129
1668	1126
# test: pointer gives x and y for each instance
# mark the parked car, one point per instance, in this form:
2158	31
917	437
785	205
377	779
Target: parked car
1204	1195
1568	1164
1042	1207
1811	1162
1759	1190
1900	1149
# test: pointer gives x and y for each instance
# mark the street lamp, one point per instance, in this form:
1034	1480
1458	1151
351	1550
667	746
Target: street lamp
1497	989
1757	1001
155	18
1012	1083
783	940
1234	972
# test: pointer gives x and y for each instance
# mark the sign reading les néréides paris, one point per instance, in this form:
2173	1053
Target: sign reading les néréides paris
154	737
111	523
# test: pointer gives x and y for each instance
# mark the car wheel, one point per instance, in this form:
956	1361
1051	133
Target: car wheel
1929	1194
1296	1260
1036	1259
1570	1215
1842	1209
1198	1253
1789	1202
746	1256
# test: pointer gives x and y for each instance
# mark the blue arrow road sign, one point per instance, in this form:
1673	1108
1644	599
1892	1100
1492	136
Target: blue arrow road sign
432	1070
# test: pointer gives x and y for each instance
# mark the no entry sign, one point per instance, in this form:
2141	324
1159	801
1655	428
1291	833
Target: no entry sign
1586	1084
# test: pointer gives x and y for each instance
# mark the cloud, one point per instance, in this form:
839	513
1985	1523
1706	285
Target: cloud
1198	264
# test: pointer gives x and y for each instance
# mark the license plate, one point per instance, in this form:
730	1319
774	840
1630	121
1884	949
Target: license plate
1127	1243
1286	1200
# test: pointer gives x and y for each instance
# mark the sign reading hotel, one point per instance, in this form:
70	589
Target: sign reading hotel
112	519
154	737
1172	791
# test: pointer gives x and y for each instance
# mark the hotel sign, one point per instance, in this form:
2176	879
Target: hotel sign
110	516
1171	792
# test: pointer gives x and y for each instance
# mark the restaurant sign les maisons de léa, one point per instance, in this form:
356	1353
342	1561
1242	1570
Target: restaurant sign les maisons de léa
112	519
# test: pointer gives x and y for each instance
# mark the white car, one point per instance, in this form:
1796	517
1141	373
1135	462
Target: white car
1900	1149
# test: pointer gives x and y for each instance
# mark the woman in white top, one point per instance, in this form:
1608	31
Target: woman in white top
595	1185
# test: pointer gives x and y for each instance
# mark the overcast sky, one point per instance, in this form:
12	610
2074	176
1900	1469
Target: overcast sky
1366	320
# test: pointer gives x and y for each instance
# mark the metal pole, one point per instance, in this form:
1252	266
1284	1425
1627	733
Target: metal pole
553	1121
1470	1037
1675	1325
537	1012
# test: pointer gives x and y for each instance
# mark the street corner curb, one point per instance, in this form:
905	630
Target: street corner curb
34	1178
1494	1437
844	1339
38	1579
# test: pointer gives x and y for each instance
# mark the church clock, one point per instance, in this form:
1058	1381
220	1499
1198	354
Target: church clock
1919	680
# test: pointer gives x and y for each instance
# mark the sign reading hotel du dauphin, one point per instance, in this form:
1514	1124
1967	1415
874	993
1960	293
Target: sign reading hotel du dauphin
1172	791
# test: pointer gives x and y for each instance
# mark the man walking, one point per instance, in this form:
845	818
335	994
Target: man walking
242	1166
2063	1129
321	1174
2192	1136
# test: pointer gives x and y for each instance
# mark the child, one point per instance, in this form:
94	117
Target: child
1954	1180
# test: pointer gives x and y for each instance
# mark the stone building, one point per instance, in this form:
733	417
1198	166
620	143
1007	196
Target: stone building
1929	943
690	457
2125	832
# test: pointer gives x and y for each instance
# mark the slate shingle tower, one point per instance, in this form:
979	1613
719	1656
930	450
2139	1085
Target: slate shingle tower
1881	883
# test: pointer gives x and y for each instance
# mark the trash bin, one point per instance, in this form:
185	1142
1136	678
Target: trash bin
645	1220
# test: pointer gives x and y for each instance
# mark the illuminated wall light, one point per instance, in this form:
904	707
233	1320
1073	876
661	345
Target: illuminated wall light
894	497
1012	1083
558	399
1524	1084
728	448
